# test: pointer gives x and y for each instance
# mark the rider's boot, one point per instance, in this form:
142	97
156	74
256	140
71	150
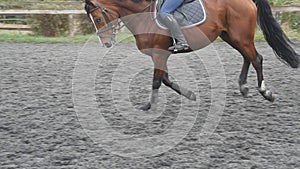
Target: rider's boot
175	30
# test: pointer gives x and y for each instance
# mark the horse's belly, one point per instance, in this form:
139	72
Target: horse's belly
198	39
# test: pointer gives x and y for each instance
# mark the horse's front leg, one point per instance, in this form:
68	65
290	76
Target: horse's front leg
160	66
180	90
156	83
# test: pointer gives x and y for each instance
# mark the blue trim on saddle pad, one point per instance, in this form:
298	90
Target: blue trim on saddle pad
191	13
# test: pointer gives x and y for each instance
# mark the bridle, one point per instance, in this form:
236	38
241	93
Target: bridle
107	15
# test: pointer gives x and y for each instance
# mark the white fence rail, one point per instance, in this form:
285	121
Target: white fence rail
33	11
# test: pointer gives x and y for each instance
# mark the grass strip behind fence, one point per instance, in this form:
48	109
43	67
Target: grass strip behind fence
121	37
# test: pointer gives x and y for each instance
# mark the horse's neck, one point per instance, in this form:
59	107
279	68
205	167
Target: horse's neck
138	19
129	7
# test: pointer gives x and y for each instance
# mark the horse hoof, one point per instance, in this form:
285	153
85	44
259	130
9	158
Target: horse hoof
268	95
146	107
244	92
270	98
192	96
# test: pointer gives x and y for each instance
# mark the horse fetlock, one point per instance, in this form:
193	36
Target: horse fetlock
262	87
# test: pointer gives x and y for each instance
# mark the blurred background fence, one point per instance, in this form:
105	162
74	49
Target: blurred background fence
50	18
67	18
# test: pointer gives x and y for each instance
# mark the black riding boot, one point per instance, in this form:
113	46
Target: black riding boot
171	23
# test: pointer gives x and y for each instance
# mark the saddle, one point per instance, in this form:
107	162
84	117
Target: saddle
190	13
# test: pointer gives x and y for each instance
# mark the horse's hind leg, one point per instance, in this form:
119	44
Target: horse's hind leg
248	50
243	78
257	64
244	73
246	47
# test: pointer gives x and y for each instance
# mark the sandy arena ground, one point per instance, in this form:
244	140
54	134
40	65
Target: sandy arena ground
40	126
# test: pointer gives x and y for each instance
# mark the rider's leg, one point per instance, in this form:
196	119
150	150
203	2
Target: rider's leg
170	22
170	6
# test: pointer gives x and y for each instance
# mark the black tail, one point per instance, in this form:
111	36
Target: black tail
274	35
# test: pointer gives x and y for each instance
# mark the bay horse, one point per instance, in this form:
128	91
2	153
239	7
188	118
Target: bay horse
232	20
